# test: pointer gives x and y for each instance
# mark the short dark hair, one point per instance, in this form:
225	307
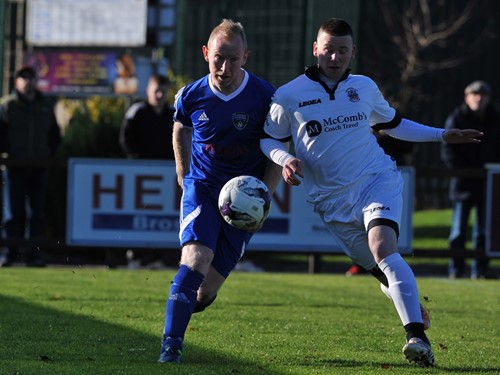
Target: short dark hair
160	79
336	27
478	87
26	72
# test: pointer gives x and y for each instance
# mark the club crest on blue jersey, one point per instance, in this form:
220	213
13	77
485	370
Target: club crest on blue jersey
240	120
352	94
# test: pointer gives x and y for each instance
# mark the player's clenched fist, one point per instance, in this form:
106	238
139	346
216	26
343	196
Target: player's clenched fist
291	171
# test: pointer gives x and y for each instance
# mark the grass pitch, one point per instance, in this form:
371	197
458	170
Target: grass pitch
99	321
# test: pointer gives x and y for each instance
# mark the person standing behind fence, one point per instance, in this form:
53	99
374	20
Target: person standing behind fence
146	131
29	131
475	112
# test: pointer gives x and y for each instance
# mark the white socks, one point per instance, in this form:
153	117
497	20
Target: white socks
402	288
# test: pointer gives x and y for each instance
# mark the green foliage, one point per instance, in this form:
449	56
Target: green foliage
94	127
95	321
177	82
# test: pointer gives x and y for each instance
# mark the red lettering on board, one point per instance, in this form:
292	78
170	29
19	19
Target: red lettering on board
98	190
141	191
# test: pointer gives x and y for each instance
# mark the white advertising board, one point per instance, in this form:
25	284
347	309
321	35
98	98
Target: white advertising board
86	23
134	203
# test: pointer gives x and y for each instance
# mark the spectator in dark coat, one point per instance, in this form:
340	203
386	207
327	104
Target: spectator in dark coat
28	131
467	193
146	131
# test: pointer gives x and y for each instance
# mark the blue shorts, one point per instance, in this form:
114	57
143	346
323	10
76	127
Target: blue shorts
202	222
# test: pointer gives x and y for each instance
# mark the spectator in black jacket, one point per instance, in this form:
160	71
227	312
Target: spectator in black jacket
28	131
467	193
146	133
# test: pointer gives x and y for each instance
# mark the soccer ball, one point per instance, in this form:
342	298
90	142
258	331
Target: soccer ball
244	202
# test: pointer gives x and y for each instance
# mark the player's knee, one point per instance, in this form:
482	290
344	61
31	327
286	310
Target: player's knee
196	256
203	304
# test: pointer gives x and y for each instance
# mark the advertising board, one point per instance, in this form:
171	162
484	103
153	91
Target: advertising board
135	203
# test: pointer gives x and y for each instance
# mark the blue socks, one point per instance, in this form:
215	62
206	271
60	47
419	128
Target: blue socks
181	301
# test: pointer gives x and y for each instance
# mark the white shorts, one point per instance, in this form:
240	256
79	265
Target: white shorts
348	214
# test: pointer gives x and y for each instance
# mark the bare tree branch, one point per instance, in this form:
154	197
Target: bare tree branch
425	35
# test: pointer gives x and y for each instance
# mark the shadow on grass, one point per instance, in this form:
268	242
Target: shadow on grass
40	340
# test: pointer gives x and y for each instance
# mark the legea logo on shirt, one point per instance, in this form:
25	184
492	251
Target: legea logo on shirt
309	102
313	128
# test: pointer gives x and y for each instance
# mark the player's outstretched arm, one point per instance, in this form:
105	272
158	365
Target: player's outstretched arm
462	136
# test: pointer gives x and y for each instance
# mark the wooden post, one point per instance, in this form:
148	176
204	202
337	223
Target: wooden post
314	265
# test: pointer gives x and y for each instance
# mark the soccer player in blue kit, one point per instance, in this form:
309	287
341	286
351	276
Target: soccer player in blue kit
218	124
354	186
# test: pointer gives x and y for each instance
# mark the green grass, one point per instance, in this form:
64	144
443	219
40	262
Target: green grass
431	229
96	321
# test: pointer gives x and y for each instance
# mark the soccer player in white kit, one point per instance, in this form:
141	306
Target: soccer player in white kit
354	186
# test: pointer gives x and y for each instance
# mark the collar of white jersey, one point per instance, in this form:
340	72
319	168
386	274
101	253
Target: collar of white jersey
235	93
312	73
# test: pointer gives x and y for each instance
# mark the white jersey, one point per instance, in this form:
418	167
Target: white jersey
331	130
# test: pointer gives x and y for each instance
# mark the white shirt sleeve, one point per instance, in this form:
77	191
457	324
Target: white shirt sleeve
278	123
412	131
382	111
275	150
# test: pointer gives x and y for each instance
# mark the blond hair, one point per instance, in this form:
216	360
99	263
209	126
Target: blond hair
229	28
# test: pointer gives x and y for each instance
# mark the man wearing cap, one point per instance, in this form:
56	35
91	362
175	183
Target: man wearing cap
28	131
476	112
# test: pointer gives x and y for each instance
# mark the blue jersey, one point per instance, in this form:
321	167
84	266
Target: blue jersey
226	129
